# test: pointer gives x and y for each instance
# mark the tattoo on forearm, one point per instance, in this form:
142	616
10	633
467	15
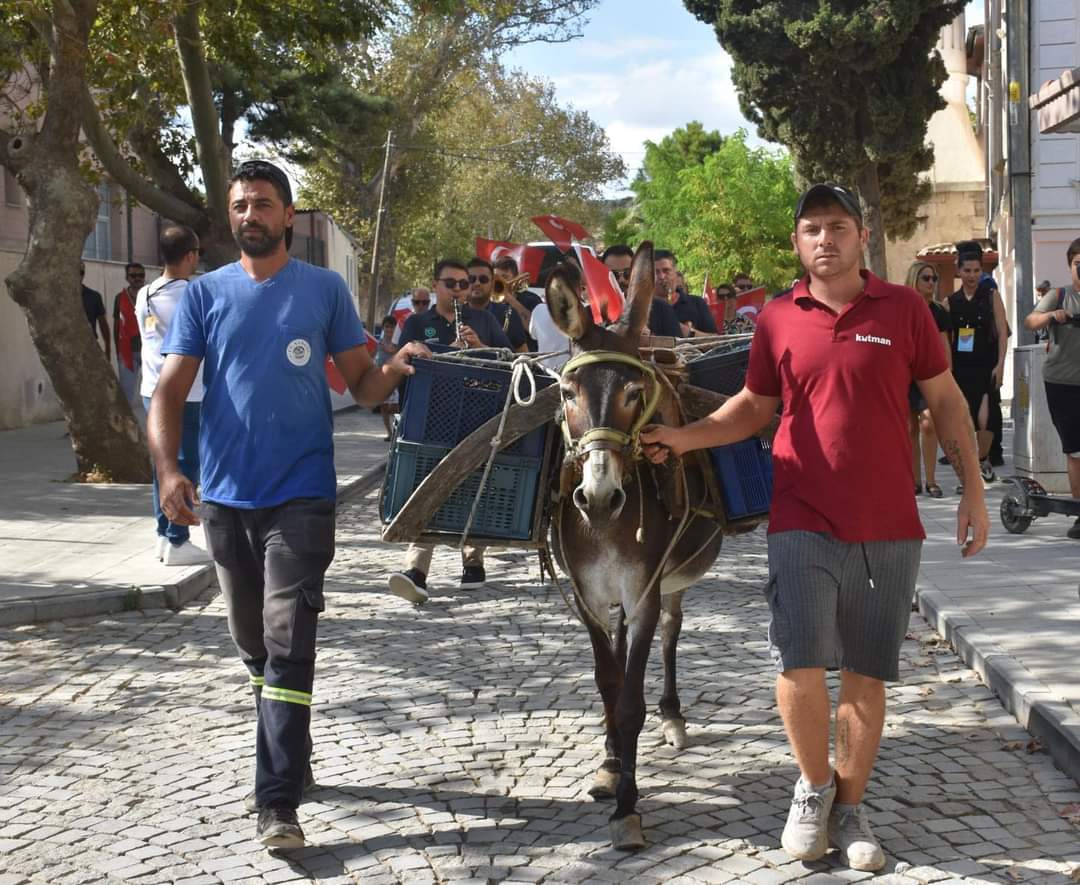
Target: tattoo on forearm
843	745
952	452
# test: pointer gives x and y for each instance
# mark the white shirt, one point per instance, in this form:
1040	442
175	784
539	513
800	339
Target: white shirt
549	337
154	308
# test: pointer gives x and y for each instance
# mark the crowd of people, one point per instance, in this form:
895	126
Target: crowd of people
241	433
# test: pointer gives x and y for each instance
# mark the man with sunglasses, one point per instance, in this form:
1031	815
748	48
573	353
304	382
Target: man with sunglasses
618	258
478	329
482	277
262	328
126	332
734	322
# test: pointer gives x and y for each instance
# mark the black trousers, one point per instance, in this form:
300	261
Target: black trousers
270	564
995	424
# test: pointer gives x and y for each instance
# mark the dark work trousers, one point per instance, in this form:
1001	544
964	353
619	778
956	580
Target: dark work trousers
270	564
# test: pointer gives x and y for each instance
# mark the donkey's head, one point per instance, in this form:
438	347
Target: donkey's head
608	394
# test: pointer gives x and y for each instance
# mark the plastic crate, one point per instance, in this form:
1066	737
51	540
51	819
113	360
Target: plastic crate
506	508
445	401
744	471
723	371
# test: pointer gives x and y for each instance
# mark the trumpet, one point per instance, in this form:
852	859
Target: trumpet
500	288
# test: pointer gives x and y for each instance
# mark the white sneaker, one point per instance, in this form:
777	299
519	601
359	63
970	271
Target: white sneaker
805	834
851	833
186	554
162	542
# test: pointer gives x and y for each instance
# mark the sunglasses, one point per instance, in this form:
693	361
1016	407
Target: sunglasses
421	302
744	287
451	283
483	279
621	274
136	276
727	296
927	278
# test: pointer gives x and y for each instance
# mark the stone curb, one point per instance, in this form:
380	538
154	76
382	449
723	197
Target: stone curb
1042	713
110	600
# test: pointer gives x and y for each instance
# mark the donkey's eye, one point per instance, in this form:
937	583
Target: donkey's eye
568	392
633	393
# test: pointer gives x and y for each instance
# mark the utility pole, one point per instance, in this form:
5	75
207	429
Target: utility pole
374	289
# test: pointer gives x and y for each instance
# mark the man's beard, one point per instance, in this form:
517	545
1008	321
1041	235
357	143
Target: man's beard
260	248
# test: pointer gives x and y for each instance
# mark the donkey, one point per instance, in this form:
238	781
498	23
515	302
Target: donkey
613	535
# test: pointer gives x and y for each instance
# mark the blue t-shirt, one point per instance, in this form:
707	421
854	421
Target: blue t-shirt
267	433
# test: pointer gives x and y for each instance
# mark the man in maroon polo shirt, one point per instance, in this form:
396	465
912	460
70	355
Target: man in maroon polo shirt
839	352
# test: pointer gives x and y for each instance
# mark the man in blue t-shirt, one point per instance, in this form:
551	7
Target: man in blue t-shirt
261	329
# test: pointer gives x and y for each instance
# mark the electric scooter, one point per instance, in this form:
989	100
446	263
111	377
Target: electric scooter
1028	500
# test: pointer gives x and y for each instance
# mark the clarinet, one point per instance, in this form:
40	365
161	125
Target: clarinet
457	320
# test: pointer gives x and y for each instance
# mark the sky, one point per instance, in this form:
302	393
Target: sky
643	68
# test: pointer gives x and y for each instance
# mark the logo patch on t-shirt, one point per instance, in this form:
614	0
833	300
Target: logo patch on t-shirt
873	339
298	352
431	332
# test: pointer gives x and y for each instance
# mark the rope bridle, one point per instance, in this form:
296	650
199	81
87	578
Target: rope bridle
625	442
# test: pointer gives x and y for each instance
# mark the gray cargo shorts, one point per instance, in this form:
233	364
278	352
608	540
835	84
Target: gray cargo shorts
825	611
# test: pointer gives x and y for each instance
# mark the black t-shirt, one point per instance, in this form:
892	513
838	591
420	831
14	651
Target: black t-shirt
509	322
662	319
974	338
93	304
694	310
431	326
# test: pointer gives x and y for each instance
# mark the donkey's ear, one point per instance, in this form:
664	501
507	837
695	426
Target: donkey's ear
564	302
639	294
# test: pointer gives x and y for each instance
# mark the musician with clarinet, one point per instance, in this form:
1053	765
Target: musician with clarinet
483	297
450	321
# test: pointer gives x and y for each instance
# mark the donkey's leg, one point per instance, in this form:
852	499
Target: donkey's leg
673	724
609	680
626	831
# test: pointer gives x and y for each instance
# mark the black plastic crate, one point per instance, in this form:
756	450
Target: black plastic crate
507	507
721	370
745	474
445	401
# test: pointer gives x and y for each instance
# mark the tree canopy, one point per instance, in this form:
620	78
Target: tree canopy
848	86
723	207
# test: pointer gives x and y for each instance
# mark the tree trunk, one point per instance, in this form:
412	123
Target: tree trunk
870	192
104	433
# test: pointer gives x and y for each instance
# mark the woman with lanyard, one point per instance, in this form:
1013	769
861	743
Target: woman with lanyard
923	278
979	343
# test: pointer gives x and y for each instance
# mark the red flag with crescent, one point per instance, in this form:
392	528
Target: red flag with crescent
605	296
560	230
529	258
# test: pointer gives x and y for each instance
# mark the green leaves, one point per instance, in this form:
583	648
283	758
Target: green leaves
723	207
842	83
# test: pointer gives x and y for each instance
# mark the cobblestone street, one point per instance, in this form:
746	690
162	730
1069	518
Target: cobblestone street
455	743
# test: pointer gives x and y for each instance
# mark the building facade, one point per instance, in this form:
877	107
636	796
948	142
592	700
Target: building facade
122	232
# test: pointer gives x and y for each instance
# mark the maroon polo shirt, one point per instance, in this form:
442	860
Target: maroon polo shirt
842	456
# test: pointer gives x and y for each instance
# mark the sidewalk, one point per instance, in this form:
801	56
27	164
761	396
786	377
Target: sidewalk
1012	613
71	550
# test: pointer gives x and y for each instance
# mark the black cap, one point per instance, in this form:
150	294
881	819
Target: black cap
266	171
832	191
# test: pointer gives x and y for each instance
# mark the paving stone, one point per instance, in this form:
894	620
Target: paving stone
454	743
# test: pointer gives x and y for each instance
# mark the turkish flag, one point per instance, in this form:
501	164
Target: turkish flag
334	377
529	258
749	303
715	304
605	296
560	230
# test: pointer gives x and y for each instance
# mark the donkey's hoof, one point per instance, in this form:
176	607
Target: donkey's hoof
626	834
604	784
675	733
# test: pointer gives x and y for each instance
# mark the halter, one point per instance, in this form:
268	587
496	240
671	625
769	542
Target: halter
608	437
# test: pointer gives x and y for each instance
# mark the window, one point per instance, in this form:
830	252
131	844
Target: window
13	193
98	244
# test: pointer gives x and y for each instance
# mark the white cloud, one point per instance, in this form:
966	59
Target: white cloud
649	100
